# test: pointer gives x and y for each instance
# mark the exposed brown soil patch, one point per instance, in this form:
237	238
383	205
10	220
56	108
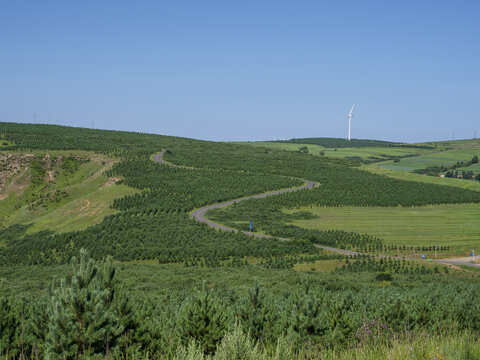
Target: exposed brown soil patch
50	175
111	181
12	168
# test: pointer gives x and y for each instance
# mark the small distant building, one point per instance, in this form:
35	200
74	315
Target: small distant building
441	175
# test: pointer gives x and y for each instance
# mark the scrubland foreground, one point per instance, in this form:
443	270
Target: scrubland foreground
92	315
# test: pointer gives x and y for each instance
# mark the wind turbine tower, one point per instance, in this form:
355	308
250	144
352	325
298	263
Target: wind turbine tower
350	121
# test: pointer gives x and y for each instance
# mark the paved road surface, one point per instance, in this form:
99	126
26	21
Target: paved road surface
159	159
199	215
457	261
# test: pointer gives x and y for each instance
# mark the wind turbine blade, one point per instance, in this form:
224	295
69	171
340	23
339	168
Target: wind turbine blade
350	113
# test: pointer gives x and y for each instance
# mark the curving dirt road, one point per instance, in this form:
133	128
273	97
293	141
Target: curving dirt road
159	159
199	215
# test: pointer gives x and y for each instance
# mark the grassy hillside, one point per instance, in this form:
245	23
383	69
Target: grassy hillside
57	190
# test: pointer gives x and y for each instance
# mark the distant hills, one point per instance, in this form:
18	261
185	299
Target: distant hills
343	143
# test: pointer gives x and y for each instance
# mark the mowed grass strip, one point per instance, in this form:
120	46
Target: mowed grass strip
457	226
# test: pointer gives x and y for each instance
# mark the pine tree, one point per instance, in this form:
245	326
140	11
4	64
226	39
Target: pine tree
308	318
8	325
82	319
257	313
204	319
17	335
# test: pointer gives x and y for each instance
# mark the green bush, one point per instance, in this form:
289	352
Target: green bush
384	276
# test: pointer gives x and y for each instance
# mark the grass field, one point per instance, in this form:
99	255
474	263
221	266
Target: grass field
363	152
473	168
448	157
405	175
319	265
89	208
457	226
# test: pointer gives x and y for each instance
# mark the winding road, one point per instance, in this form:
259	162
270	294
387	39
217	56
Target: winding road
199	215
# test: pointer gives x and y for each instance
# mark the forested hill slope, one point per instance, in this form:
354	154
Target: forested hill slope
154	223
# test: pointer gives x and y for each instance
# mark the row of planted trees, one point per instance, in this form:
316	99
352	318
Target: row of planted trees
169	238
360	263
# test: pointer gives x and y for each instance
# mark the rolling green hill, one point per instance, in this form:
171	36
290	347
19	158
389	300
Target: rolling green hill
400	161
145	278
42	219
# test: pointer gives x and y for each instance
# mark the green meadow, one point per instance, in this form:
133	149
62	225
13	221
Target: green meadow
445	153
457	226
448	157
363	152
405	175
473	168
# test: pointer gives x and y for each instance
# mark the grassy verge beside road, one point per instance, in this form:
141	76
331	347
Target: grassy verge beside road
455	225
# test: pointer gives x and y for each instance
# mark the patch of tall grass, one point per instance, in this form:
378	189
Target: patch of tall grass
239	346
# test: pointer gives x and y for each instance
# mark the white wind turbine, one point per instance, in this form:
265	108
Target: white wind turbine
350	121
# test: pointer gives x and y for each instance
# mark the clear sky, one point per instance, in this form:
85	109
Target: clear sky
245	70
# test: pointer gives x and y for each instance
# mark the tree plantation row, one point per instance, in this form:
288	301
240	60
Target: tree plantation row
132	236
340	184
387	266
169	189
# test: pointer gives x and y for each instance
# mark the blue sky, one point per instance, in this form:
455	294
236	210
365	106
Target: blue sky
245	70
